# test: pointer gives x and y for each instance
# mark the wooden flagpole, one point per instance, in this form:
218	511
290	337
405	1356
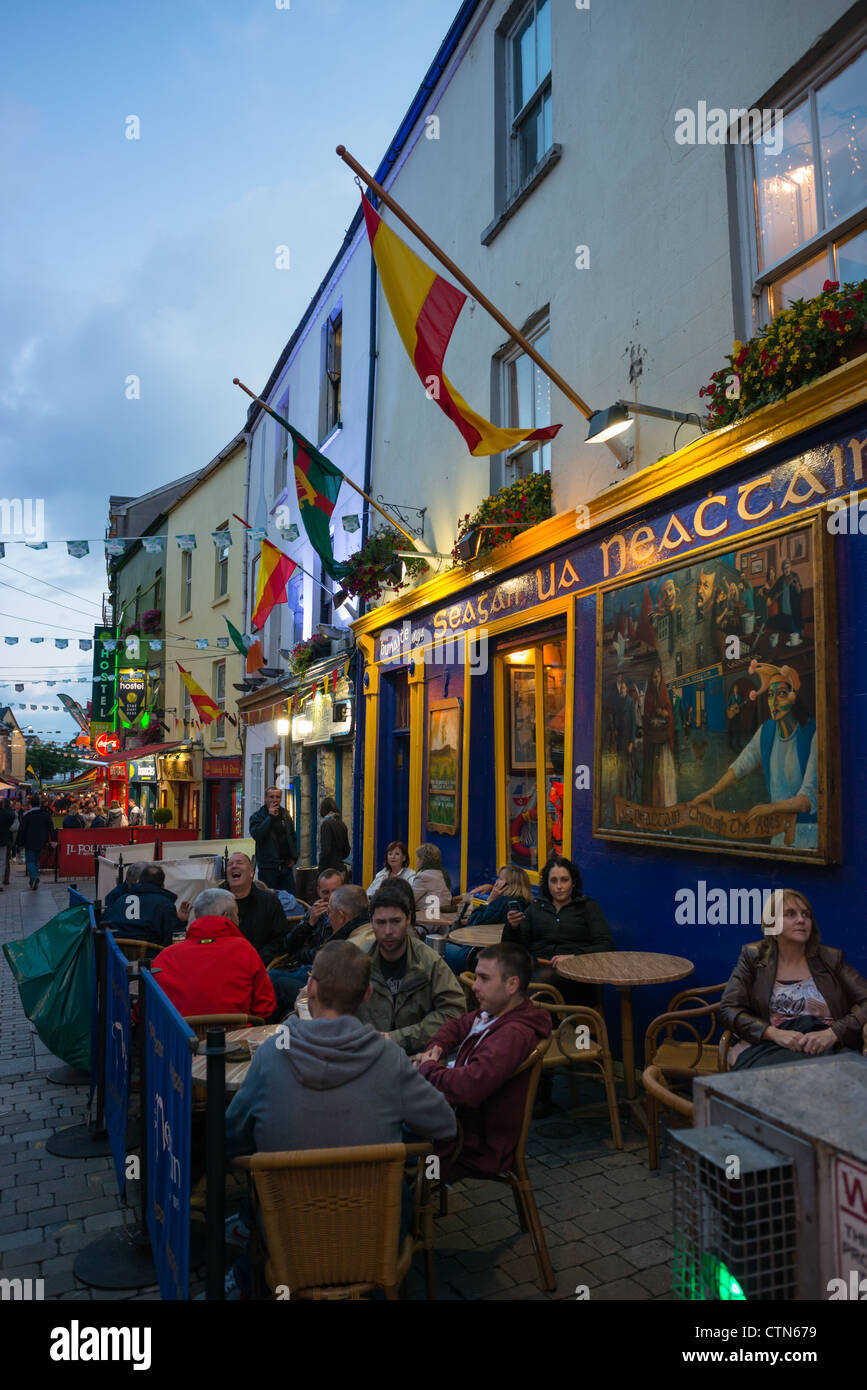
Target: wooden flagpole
346	477
467	283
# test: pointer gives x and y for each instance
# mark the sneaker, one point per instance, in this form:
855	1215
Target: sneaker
36	883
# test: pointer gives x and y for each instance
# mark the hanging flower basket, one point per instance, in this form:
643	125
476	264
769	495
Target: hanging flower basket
303	653
377	566
806	341
152	620
505	514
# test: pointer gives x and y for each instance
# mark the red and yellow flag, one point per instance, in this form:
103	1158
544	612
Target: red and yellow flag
207	708
425	308
275	571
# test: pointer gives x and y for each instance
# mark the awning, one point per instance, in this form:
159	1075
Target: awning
87	780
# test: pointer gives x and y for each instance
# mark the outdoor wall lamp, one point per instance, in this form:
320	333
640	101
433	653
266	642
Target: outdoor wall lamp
282	727
605	424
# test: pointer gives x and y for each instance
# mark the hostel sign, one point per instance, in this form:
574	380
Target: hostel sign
102	695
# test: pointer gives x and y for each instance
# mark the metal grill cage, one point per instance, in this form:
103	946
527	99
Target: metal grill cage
735	1218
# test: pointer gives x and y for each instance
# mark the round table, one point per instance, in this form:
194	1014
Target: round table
624	970
485	934
235	1041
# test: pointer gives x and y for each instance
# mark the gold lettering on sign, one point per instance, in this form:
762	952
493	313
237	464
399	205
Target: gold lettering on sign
730	825
641	546
482	604
568	576
498	604
838	458
665	543
745	492
815	487
455	616
440	625
857	446
542	591
698	523
469	615
604	546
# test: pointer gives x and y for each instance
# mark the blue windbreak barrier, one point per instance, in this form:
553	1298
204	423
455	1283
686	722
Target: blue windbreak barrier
166	1098
117	1051
77	899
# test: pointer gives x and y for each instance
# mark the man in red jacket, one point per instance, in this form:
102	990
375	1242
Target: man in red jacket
491	1044
215	970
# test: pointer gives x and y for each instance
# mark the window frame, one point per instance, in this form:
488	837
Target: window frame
331	395
186	583
221	565
502	465
515	120
752	301
219	733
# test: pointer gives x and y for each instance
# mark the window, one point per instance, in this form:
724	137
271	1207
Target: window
158	590
281	450
534	693
219	699
186	581
806	191
526	404
221	565
332	359
187	713
529	86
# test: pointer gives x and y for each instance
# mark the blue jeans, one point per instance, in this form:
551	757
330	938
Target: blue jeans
31	859
287	986
277	878
457	957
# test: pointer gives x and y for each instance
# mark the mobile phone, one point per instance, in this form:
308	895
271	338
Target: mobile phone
516	906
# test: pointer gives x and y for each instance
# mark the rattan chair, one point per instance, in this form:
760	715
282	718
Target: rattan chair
331	1220
572	1047
135	949
515	1172
659	1091
681	1047
200	1023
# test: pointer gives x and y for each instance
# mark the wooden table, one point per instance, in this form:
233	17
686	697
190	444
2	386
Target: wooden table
625	970
235	1041
484	934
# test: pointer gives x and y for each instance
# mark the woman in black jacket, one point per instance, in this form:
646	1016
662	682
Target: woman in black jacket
562	921
334	849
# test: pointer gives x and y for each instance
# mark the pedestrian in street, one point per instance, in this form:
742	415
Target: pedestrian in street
116	818
7	821
334	848
35	832
73	820
135	815
276	842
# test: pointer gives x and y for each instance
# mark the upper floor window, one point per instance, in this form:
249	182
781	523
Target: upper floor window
526	397
806	186
186	581
219	699
221	565
529	82
332	363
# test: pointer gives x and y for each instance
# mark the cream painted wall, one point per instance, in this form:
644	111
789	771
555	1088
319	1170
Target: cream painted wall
210	503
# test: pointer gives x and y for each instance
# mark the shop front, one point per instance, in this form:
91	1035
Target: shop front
222	778
665	688
143	786
180	788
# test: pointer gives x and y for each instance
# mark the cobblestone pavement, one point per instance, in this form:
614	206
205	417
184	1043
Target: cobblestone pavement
606	1218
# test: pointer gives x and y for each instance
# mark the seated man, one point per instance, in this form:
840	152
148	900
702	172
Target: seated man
491	1043
314	929
329	1081
260	915
215	970
346	920
145	911
132	875
414	992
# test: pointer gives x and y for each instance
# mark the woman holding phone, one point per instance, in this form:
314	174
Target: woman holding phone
562	921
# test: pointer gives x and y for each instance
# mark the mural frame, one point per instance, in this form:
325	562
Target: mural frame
819	555
452	712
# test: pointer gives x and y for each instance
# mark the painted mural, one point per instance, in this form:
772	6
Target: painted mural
710	709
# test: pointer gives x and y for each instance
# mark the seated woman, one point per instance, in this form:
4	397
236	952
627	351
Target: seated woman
562	921
429	882
396	866
511	887
789	997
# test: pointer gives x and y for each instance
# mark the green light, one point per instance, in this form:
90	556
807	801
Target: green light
145	720
727	1285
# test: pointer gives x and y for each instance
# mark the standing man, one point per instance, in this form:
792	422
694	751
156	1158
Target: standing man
34	834
276	842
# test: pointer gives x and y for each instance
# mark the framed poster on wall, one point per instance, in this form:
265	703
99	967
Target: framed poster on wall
522	716
714	731
444	766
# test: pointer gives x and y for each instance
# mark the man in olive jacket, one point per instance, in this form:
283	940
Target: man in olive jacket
413	990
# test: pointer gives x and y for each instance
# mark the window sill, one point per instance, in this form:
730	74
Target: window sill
332	434
218	602
520	195
185	617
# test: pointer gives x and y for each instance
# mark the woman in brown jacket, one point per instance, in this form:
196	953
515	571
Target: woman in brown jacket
789	996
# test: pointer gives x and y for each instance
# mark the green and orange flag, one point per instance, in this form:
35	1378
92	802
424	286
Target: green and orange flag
207	708
275	571
425	308
317	482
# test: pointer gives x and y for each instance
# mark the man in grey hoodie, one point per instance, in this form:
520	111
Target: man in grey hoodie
330	1081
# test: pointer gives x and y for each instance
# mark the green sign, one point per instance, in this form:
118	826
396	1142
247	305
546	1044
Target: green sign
102	696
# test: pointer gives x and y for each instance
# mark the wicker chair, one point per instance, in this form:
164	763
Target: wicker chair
694	1053
331	1220
200	1023
595	1052
659	1091
515	1172
136	949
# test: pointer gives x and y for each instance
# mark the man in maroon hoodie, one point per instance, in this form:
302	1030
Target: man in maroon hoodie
491	1044
215	970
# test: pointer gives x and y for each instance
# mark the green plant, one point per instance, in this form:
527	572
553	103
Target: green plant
306	651
162	815
801	344
506	513
377	566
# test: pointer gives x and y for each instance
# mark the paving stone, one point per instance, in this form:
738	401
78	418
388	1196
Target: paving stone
656	1280
27	1253
491	1232
601	1220
652	1252
601	1243
11	1240
91	1206
575	1252
620	1290
636	1232
609	1267
16	1222
104	1221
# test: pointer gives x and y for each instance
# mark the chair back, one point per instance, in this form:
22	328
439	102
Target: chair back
541	993
567	1019
655	1081
331	1216
136	949
533	1065
683	1021
200	1023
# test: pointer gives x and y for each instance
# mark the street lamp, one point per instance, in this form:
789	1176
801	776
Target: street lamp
605	424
